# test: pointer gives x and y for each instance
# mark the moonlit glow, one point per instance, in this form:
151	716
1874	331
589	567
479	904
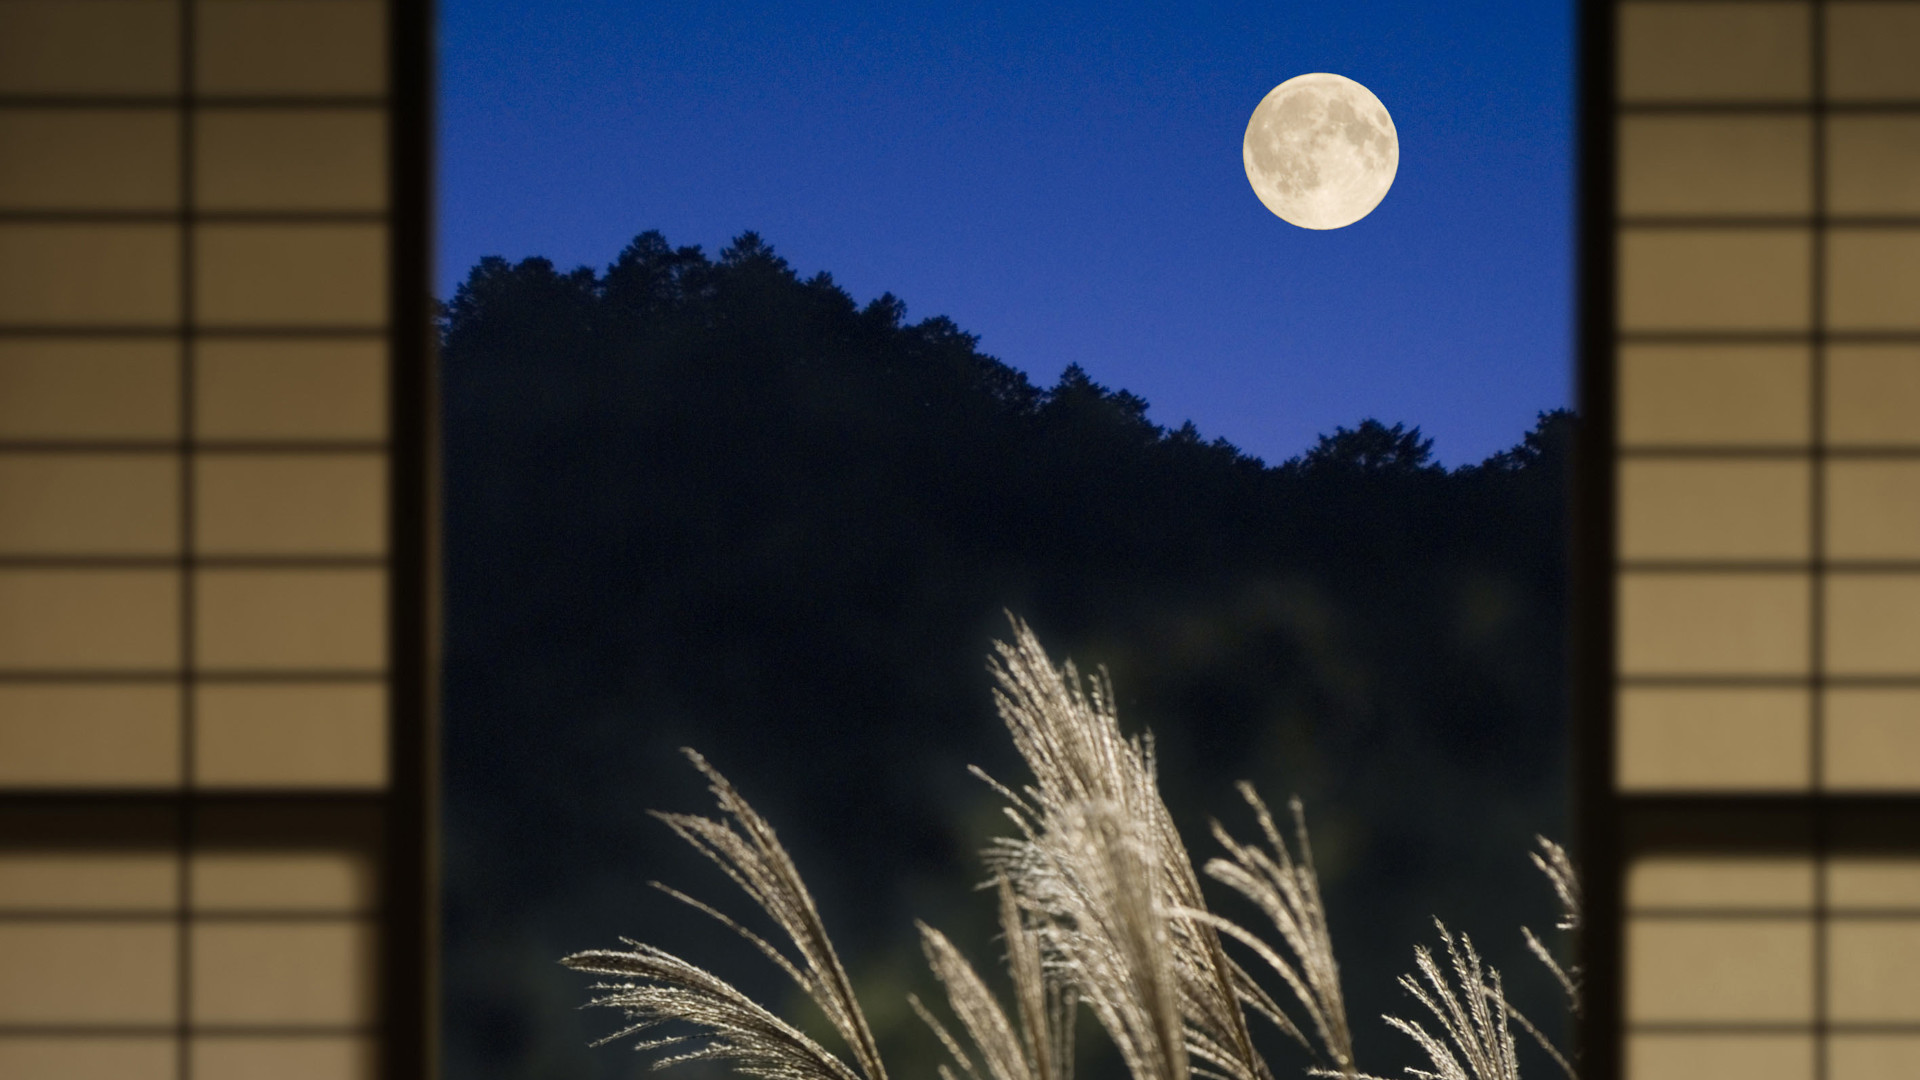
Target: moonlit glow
1321	151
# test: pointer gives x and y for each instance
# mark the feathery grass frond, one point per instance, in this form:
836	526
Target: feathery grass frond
1287	892
1036	1052
738	1029
1476	1027
1553	861
1568	980
979	1012
1540	1037
1251	994
1094	800
751	855
1092	875
1046	1006
947	1041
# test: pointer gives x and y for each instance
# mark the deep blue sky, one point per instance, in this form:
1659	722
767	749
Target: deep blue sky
1065	181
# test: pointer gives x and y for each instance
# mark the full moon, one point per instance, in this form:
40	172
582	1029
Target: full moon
1321	151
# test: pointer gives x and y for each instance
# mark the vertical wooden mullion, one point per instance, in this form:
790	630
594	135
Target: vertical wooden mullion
1597	817
409	887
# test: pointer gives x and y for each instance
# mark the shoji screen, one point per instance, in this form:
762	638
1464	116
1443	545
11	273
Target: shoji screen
1758	374
214	544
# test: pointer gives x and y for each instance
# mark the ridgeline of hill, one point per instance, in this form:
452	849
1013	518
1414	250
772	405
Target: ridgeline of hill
706	502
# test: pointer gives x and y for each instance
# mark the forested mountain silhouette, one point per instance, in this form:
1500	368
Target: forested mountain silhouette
707	501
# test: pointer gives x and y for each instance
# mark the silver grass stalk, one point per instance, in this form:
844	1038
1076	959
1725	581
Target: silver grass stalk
1475	1026
1287	892
1047	1005
742	1031
1488	1049
1092	818
1092	875
1553	861
1042	1050
738	1029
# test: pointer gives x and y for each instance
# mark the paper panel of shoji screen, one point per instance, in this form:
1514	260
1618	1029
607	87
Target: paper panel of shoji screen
253	446
1768	377
194	259
282	944
91	935
288	396
1712	52
1714	489
91	437
252	957
1871	891
1870	729
1779	941
1720	972
1768	582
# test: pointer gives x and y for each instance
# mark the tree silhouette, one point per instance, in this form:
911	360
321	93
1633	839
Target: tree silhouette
1372	448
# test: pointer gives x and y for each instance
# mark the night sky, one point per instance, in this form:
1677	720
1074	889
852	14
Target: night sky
1064	181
